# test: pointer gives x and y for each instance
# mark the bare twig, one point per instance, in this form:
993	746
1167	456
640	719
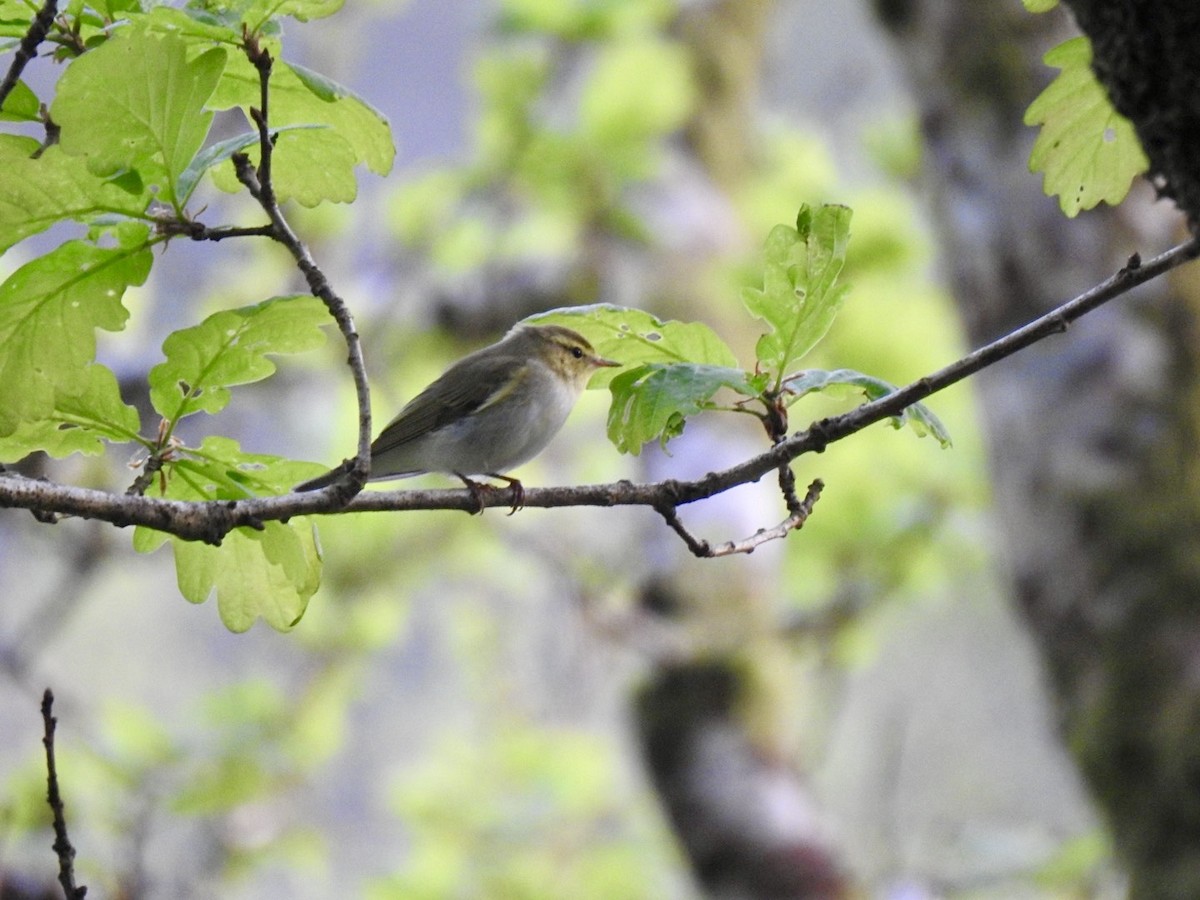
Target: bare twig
27	49
258	183
795	520
198	231
62	843
211	520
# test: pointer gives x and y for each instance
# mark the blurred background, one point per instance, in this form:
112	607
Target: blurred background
565	703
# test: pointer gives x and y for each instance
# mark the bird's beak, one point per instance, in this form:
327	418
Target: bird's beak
601	363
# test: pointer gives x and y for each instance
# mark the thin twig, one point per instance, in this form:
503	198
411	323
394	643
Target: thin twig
198	231
27	49
258	183
62	843
703	549
211	520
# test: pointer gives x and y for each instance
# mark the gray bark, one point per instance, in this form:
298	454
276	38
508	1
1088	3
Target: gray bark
1093	435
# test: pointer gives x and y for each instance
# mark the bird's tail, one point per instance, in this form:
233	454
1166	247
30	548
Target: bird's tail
324	480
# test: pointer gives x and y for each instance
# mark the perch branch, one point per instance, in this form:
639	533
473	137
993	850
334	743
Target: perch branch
211	520
261	187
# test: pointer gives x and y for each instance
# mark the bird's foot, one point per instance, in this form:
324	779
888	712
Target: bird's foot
479	491
518	491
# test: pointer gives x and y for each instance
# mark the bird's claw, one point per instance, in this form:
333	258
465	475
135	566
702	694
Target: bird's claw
478	491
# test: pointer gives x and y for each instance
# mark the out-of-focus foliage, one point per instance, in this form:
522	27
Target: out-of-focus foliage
529	813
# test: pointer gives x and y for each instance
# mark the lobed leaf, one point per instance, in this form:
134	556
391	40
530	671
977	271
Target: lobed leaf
311	165
79	423
918	416
304	10
217	153
653	401
800	295
269	574
21	105
634	337
230	348
38	193
137	102
1087	151
49	311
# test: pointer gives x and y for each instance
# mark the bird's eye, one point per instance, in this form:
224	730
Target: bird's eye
577	352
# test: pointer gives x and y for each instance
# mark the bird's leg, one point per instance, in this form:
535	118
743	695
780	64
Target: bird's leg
518	491
476	490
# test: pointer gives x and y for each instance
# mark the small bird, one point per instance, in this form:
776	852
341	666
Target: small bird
489	412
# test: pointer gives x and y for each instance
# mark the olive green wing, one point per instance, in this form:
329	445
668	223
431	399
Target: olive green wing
470	385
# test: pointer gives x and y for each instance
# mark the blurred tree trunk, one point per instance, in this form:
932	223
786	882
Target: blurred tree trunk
1093	435
711	738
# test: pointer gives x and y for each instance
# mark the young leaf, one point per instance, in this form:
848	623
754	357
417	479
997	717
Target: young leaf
21	105
304	10
1087	150
37	193
271	573
918	416
49	311
80	423
138	102
311	165
800	295
652	401
218	153
634	337
230	348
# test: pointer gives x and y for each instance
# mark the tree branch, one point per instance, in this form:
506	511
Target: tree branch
211	520
27	49
258	183
62	843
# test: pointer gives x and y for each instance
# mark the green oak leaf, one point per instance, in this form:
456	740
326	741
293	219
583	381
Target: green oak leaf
269	574
49	311
230	348
800	296
218	153
311	165
199	26
137	102
21	105
918	416
634	337
653	401
304	10
38	193
80	423
1087	151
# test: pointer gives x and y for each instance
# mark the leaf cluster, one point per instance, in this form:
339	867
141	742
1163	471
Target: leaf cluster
128	145
674	370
